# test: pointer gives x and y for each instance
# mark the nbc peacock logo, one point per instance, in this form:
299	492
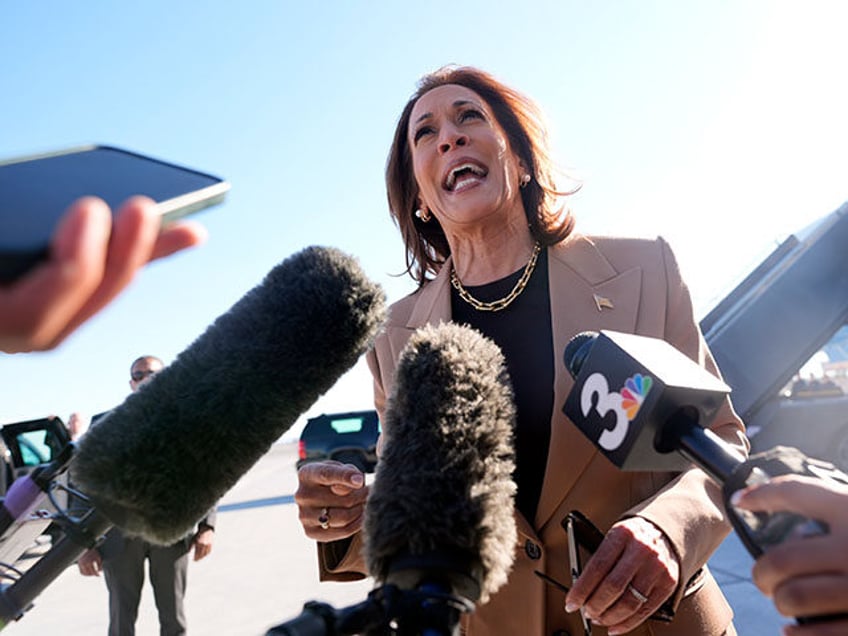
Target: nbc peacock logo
634	393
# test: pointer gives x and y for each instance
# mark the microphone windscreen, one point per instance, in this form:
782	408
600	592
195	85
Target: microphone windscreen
443	496
156	464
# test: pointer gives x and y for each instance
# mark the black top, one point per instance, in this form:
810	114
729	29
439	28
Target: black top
523	332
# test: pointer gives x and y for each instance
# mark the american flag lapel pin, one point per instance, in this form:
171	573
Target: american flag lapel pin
601	302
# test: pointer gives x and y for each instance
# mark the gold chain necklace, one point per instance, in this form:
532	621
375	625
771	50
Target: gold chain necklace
506	301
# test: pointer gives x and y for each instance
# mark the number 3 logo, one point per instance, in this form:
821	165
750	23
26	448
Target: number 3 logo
607	401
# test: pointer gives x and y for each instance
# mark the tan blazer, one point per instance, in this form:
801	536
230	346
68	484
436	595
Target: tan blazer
628	285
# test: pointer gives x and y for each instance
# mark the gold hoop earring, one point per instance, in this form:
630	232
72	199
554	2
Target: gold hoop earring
423	214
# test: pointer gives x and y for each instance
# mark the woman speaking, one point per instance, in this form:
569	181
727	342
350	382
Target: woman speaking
471	187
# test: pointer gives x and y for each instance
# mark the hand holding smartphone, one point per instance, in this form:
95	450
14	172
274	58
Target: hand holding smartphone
36	191
76	258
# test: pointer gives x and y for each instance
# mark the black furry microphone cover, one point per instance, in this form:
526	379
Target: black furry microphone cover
442	502
157	463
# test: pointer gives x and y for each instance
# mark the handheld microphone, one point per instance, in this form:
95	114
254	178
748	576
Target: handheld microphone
658	420
440	511
439	527
158	462
638	399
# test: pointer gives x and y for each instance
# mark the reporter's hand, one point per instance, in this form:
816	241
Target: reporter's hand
90	262
333	492
806	576
90	563
633	553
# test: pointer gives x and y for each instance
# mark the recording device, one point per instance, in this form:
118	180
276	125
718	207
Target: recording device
158	462
639	398
35	192
29	447
439	526
28	502
646	405
23	515
444	490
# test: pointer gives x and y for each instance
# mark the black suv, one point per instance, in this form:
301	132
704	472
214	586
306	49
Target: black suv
350	438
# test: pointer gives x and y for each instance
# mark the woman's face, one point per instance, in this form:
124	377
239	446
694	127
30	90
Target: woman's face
462	162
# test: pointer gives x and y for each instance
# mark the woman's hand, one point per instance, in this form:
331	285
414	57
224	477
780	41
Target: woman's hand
91	261
806	576
631	574
331	500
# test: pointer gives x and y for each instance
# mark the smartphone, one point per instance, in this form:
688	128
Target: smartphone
35	192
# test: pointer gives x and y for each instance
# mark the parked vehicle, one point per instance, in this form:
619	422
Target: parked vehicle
350	438
792	305
25	445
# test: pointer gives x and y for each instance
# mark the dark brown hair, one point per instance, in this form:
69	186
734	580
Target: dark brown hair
426	244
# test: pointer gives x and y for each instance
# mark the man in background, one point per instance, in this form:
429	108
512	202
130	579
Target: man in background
122	558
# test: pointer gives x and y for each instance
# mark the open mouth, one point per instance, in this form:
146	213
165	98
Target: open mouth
464	174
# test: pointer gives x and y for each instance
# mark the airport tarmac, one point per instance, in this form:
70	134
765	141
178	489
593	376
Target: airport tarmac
262	570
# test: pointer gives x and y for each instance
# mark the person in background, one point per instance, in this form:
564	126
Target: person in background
491	244
92	259
122	558
805	576
77	425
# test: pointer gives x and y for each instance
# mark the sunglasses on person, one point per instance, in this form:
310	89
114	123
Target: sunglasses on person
140	374
585	537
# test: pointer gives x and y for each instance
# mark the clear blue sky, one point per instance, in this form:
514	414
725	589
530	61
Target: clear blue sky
720	125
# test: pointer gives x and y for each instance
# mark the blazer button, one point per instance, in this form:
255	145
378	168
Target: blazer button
533	551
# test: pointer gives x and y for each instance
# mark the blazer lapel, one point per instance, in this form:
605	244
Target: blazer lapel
432	306
434	300
587	293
